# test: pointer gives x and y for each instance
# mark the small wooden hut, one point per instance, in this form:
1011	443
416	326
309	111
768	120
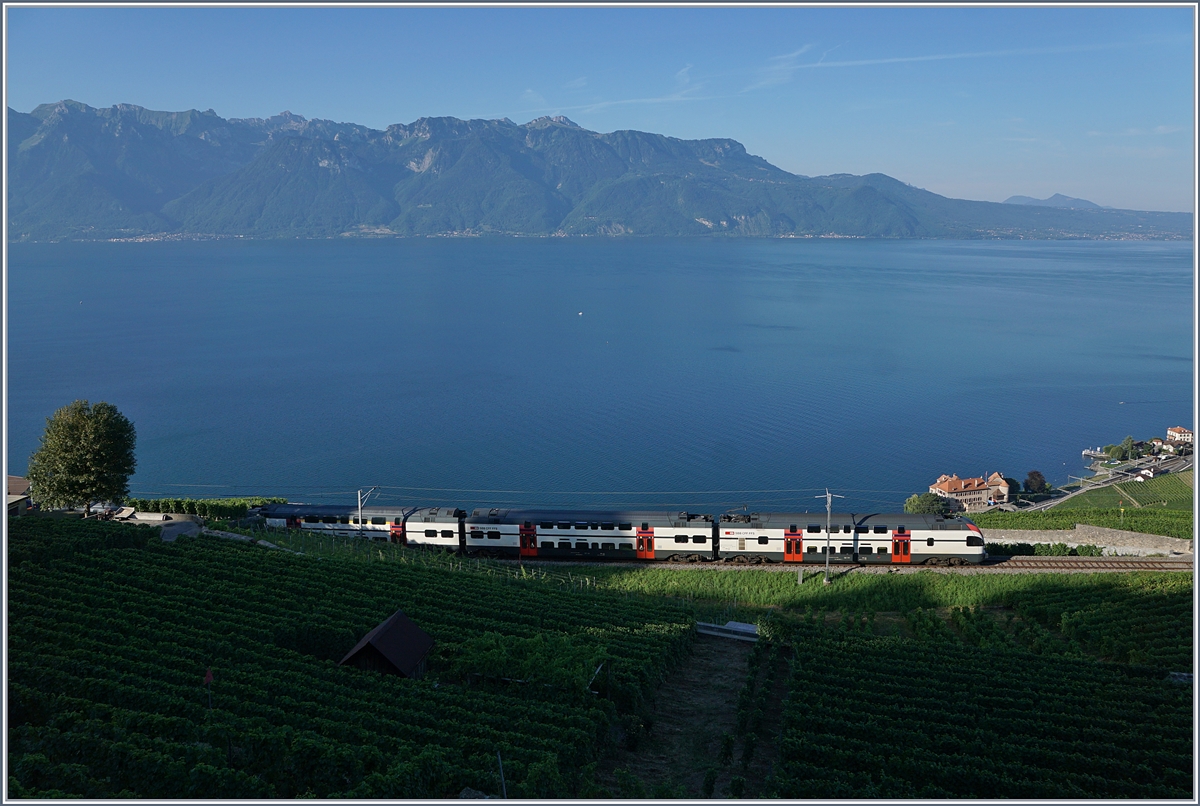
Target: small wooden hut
397	646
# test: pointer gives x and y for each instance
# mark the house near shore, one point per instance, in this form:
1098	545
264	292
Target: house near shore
1179	434
972	494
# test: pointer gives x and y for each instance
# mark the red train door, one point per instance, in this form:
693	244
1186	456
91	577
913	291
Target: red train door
528	540
397	533
901	546
645	542
793	545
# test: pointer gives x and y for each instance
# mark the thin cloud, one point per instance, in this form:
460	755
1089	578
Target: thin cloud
782	69
779	69
576	84
682	76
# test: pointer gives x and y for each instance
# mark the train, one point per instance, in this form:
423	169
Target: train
653	535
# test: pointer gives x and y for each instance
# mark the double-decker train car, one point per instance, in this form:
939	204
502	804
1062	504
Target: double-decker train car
754	537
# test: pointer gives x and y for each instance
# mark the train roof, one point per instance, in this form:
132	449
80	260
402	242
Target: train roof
301	510
653	517
774	519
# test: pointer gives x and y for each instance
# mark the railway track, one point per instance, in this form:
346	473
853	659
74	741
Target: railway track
992	565
1092	564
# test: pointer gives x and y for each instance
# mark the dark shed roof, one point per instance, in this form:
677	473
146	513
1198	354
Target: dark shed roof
397	646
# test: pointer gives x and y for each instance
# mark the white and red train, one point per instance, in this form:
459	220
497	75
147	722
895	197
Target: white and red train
754	537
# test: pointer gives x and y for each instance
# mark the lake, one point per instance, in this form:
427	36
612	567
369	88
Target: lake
692	374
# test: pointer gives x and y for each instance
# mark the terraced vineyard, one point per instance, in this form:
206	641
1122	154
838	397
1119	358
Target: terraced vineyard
1172	492
1147	520
111	633
937	718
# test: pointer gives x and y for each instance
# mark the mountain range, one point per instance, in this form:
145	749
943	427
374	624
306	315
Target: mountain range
78	172
1057	200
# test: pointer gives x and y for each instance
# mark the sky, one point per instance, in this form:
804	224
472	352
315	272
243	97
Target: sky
970	102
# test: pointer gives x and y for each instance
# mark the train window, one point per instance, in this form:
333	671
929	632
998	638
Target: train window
564	525
546	525
564	544
699	539
681	538
645	526
974	540
594	525
847	528
476	535
847	549
344	519
547	544
625	526
860	530
881	550
900	528
929	542
396	522
447	533
880	530
328	520
606	546
581	525
762	541
812	549
378	521
792	528
814	528
625	546
311	519
493	535
431	532
606	525
581	545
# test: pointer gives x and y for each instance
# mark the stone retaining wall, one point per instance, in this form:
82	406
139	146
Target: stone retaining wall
1116	541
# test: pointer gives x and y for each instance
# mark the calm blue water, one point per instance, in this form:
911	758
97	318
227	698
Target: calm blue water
684	373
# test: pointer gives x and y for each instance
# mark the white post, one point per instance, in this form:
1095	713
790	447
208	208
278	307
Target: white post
828	517
361	499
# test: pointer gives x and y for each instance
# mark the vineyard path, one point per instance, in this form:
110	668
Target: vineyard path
694	706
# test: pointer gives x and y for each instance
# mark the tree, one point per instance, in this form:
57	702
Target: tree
1129	449
86	456
928	504
1035	482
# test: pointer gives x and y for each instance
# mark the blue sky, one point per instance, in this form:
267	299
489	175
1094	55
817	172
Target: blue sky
969	102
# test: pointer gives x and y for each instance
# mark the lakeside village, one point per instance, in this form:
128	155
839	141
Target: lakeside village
1113	464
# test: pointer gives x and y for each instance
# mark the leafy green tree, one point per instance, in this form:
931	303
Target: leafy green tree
1035	482
86	456
1130	450
928	504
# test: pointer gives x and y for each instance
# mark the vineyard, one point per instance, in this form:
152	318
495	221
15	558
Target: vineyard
1152	521
918	685
940	686
112	632
885	717
1173	491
